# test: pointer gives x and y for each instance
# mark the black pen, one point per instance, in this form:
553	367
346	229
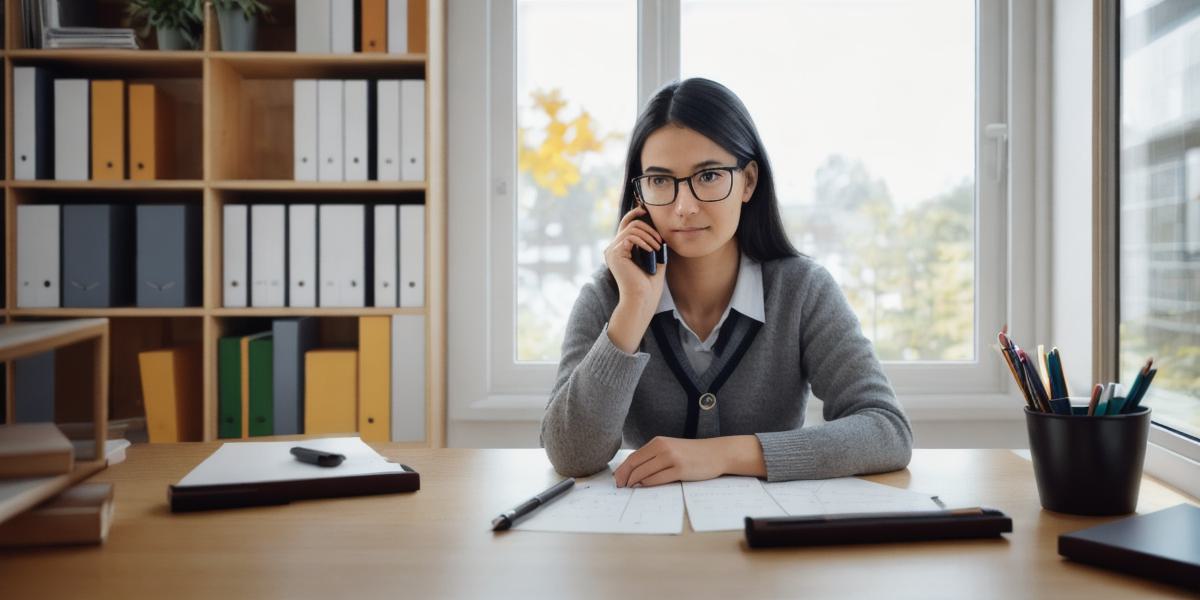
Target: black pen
506	520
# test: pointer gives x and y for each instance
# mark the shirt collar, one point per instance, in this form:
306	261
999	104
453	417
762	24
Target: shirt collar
747	293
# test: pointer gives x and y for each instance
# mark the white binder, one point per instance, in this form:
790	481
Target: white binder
312	26
397	26
342	251
268	285
31	123
302	255
386	270
341	26
412	129
387	129
72	127
412	255
234	253
408	378
329	130
304	129
38	261
355	110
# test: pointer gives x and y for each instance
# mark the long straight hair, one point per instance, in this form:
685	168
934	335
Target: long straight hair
715	112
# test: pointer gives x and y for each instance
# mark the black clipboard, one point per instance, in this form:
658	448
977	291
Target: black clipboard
872	528
191	498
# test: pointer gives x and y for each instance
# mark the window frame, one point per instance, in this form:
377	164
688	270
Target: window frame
483	215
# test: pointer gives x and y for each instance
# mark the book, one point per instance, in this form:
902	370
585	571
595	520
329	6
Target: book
80	515
1160	545
34	450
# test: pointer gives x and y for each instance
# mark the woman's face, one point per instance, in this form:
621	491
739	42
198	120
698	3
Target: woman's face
692	228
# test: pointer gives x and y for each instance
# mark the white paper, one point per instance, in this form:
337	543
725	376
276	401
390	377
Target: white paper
596	505
723	503
253	462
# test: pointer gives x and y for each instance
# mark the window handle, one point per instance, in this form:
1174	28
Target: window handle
998	132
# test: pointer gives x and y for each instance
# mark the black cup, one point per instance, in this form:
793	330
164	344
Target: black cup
1088	465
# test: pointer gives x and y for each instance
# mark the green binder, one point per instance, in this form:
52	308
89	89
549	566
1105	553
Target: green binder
262	388
229	387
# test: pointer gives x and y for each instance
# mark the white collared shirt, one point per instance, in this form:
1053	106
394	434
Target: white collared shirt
747	299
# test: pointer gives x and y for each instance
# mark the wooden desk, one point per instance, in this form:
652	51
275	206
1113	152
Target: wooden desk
436	543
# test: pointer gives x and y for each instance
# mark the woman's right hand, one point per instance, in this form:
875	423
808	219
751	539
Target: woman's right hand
637	288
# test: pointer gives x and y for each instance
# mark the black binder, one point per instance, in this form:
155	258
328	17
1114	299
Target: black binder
869	528
1163	545
190	498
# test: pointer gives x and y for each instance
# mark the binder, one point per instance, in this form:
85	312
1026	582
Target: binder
292	339
355	110
168	255
374	25
412	129
97	256
261	384
330	391
37	256
397	26
304	128
171	388
387	130
417	34
71	129
265	473
374	378
341	26
150	131
408	378
385	263
31	123
342	248
229	387
234	244
302	255
244	355
108	130
825	530
268	277
329	130
312	26
33	388
412	255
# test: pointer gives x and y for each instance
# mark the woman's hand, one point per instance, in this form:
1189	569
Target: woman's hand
667	460
638	291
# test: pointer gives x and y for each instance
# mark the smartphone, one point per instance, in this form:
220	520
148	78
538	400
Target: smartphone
649	261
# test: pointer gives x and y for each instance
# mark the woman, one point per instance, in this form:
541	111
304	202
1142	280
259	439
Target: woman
705	366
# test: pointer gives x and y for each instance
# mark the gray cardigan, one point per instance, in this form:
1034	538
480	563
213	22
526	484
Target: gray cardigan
603	395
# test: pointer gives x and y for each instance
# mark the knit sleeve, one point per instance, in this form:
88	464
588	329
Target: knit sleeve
581	428
866	431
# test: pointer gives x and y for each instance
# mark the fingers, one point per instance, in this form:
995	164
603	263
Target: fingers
632	461
643	239
631	215
647	469
647	228
668	475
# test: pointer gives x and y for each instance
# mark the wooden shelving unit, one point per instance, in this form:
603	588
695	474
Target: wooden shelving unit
233	143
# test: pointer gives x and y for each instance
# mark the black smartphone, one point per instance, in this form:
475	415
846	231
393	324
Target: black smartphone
649	261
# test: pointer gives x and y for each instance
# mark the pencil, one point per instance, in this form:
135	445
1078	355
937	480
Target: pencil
1096	391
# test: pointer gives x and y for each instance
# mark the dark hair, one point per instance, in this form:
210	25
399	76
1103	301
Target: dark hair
715	112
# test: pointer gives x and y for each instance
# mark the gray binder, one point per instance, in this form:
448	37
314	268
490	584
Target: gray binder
97	255
33	389
168	256
31	123
293	337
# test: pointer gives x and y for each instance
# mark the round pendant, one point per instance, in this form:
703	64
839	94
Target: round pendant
708	401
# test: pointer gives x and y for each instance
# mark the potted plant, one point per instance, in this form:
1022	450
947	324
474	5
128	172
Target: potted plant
177	23
239	23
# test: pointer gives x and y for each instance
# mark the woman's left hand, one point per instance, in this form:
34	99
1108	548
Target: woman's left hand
666	460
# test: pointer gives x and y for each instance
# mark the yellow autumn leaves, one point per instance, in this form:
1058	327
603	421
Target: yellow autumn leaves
554	163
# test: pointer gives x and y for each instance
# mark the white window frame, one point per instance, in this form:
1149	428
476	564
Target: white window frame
486	383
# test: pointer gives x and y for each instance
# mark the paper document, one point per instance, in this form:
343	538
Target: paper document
597	505
722	504
253	462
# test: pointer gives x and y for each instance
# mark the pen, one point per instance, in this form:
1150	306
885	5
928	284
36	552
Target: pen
506	519
317	457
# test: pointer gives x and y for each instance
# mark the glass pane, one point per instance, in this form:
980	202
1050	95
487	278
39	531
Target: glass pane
867	111
576	101
1160	207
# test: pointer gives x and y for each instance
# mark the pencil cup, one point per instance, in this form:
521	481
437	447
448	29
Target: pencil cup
1088	465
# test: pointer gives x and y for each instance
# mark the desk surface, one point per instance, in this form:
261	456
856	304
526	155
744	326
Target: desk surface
436	543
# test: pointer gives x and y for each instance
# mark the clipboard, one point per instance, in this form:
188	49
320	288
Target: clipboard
871	528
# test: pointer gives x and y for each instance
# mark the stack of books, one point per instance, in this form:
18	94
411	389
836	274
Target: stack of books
69	24
89	37
35	454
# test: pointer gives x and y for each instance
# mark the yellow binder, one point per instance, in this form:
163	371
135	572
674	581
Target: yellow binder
374	378
108	130
417	19
374	26
149	132
330	391
171	391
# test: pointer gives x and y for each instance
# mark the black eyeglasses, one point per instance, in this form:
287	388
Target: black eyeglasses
713	184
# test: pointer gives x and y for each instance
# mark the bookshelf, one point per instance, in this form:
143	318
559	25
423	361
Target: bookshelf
233	144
